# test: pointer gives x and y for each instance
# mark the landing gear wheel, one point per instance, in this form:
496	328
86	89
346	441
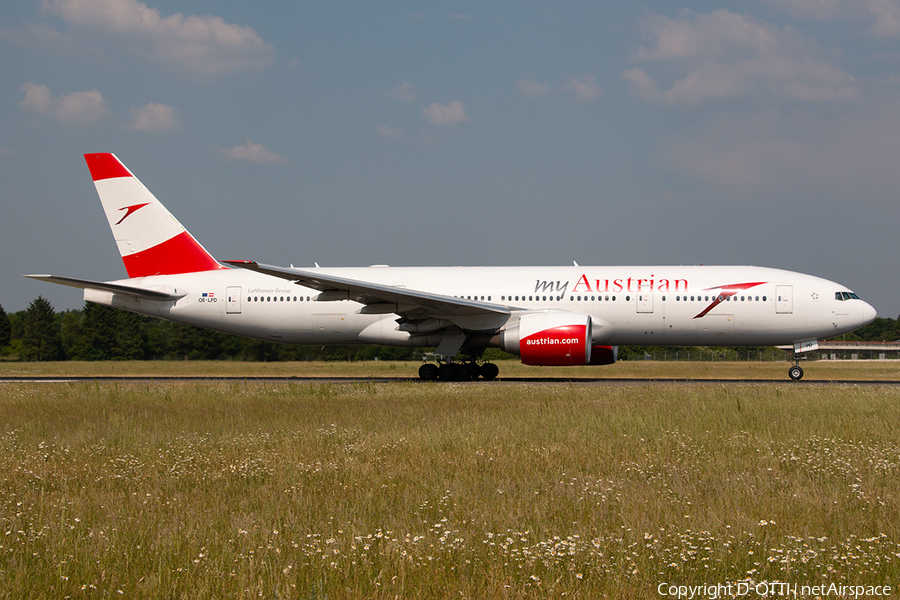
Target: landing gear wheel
795	373
446	372
489	371
428	372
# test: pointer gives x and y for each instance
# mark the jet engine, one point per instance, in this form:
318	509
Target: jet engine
604	355
556	338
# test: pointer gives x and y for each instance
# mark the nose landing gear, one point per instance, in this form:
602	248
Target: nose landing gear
795	372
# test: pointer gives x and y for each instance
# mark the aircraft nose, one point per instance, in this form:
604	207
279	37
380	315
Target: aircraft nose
868	314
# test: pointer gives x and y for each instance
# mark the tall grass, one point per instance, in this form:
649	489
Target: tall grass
239	490
875	370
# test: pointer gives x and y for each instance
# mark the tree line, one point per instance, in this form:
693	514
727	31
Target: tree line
97	332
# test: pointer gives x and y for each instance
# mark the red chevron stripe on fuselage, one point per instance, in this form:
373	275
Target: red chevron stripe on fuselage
726	291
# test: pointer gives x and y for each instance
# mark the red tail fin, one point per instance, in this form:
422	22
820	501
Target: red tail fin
151	240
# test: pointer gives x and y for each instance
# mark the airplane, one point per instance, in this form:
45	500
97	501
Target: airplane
548	316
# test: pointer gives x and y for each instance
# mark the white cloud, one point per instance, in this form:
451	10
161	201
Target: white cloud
81	107
731	56
202	44
445	115
530	88
641	86
814	9
405	92
37	98
154	117
884	13
887	17
77	108
852	154
252	153
387	133
585	89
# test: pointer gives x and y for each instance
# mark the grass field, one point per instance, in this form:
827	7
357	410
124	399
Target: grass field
877	370
394	490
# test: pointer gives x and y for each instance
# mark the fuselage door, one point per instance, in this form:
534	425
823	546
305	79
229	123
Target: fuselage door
644	302
233	300
784	299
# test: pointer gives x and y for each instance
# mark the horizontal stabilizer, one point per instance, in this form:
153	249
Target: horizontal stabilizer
115	288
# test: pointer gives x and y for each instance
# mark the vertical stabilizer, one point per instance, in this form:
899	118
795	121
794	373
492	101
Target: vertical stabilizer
150	240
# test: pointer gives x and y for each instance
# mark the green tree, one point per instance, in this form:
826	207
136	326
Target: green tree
41	336
99	325
129	341
5	329
74	346
195	343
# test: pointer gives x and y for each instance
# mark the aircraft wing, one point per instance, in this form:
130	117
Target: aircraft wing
107	287
380	298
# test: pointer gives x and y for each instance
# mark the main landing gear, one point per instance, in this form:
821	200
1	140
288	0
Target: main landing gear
449	371
795	372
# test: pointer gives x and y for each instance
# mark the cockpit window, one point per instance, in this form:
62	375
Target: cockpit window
842	296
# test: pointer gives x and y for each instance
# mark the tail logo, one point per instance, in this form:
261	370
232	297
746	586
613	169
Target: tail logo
131	209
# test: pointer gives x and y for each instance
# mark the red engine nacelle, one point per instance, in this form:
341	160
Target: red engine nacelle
550	338
604	355
559	338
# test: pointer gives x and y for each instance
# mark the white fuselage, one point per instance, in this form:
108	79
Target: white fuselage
659	305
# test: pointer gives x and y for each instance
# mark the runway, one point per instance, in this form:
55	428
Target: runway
588	381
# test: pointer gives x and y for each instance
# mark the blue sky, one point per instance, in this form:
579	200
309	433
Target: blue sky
762	132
